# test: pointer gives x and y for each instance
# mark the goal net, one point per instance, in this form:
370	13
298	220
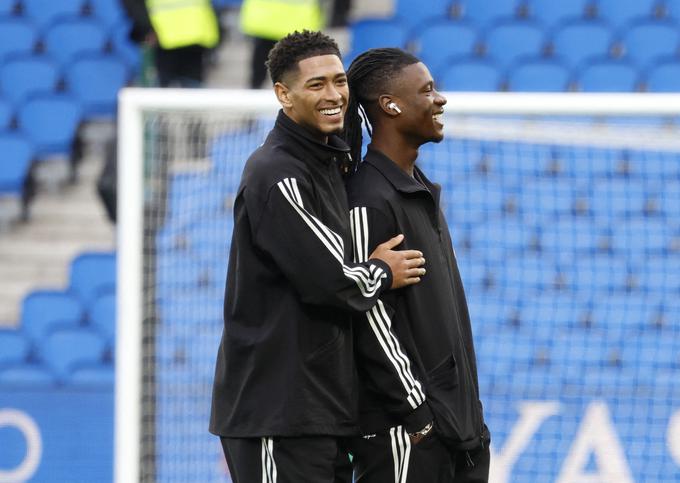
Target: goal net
564	210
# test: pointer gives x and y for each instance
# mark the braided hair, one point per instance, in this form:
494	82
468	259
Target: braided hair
368	77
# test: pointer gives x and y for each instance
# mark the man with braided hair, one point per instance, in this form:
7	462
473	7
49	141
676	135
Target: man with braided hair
284	397
420	414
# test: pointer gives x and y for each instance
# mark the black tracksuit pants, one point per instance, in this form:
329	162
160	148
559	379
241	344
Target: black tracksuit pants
391	458
313	459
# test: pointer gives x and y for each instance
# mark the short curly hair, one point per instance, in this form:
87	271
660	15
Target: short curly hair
297	46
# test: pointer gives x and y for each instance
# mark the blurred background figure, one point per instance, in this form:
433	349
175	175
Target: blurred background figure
267	21
180	33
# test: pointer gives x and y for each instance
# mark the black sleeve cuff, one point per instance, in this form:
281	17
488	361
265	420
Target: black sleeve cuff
418	418
387	282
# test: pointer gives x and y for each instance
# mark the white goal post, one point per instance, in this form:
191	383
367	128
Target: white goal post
135	102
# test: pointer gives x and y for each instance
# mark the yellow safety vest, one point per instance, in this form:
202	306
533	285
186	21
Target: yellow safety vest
274	19
180	23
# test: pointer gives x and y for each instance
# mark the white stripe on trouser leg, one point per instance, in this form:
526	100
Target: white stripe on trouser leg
401	453
268	465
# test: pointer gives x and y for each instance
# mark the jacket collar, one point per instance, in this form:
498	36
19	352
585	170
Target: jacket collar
398	178
336	149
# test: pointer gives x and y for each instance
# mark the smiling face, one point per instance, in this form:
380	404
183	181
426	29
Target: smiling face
420	104
316	94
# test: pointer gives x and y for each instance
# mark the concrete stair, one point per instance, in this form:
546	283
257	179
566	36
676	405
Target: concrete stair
63	223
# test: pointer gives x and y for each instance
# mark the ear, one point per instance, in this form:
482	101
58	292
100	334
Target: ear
283	95
384	102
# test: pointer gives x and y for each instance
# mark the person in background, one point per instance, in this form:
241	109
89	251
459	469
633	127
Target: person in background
180	32
267	21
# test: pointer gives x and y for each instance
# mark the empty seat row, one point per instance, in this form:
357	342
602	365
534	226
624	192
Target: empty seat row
66	355
549	61
66	39
66	336
94	80
45	12
545	76
547	12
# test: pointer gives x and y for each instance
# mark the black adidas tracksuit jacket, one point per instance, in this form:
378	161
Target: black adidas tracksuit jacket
416	357
285	365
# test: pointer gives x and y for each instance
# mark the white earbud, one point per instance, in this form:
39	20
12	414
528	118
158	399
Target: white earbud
394	107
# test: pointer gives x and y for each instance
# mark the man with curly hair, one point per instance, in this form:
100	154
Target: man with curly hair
284	396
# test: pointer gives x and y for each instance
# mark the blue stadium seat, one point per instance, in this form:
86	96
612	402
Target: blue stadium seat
550	12
483	13
63	349
27	375
652	351
97	375
524	161
509	43
69	38
470	75
664	77
611	199
658	275
475	200
651	164
6	114
44	309
444	39
102	315
611	381
50	122
550	314
517	238
95	81
124	47
539	76
531	273
413	13
44	12
17	36
608	76
576	42
577	235
23	76
672	9
625	314
92	275
621	12
584	351
670	199
109	12
182	272
636	238
593	275
509	350
17	154
14	347
372	33
548	197
8	7
476	274
646	42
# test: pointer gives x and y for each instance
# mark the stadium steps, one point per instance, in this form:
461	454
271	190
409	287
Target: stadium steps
63	223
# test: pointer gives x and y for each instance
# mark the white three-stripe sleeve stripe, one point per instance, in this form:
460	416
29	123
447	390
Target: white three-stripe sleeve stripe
381	326
367	282
269	473
380	321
